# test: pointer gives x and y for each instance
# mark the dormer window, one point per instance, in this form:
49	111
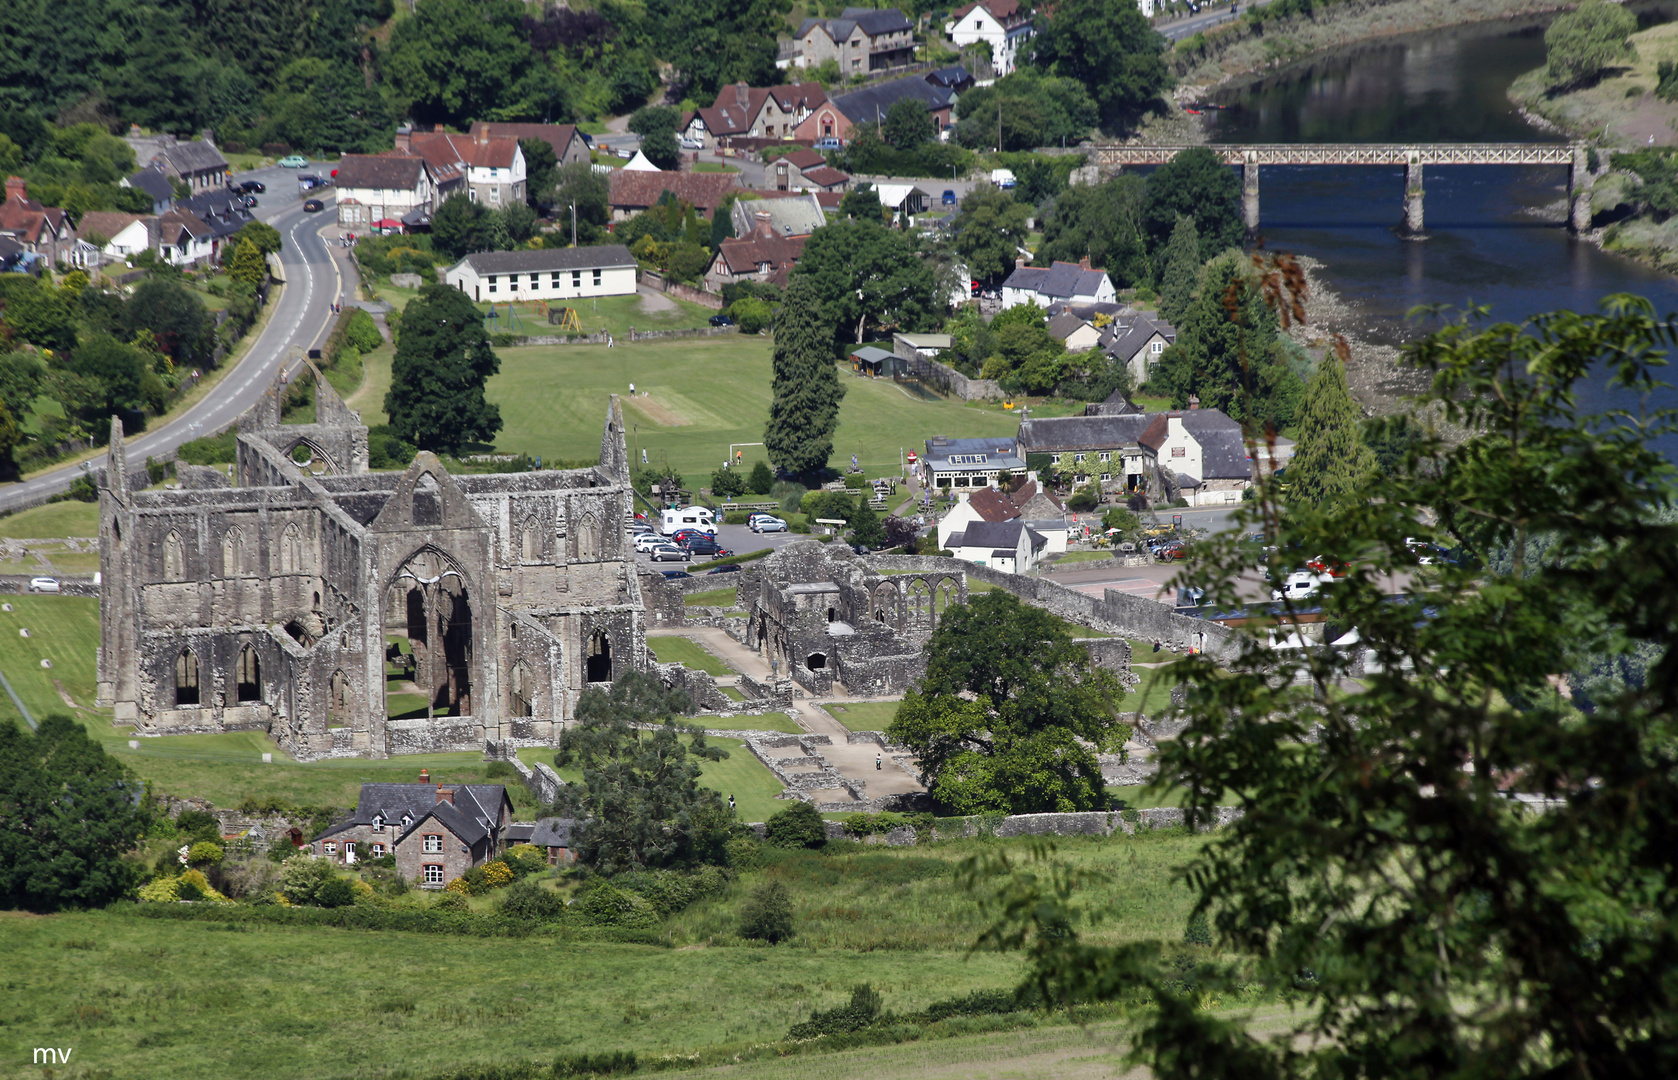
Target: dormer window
378	823
407	820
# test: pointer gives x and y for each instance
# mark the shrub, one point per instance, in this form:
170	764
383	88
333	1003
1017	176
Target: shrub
477	880
608	1064
1197	932
204	852
303	876
863	1009
767	914
525	859
607	905
499	770
451	900
728	483
798	826
336	892
528	900
459	886
210	450
160	891
497	875
762	479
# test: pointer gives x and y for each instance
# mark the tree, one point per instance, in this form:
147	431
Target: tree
456	61
443	358
717	42
804	411
1010	713
1198	185
727	483
1031	108
20	382
118	369
761	479
1108	46
863	274
1582	43
177	320
767	914
68	812
580	186
263	235
541	171
908	125
248	265
1330	463
1105	223
862	203
640	788
1182	269
991	230
461	226
518	220
39	315
657	124
798	826
866	530
1231	364
1421	921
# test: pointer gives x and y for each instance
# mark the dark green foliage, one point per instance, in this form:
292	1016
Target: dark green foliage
804	411
436	397
997	720
798	826
1181	273
1330	463
640	788
868	152
990	231
863	276
82	489
727	483
176	318
1105	222
577	184
67	815
603	1064
861	203
1035	110
767	914
1231	364
518	221
1198	931
387	450
462	226
1108	46
541	170
1196	184
335	893
1504	941
866	530
716	42
762	478
751	314
1667	88
1392	439
21	375
1582	43
863	1009
456	61
39	314
907	126
527	899
121	373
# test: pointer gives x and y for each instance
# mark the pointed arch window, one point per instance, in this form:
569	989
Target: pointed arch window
174	557
291	550
530	541
247	678
588	537
186	678
233	553
520	691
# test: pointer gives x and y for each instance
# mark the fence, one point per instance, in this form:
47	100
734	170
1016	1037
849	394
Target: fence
943	378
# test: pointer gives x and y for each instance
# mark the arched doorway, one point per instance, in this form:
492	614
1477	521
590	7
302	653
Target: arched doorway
428	603
816	661
599	658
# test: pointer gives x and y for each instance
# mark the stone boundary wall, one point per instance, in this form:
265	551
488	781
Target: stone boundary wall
1115	613
945	378
687	292
541	781
1096	823
78	585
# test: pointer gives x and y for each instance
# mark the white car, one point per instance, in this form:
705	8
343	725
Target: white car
645	542
767	524
669	553
688	142
43	584
1301	585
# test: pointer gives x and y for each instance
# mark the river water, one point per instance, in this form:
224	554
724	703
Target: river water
1496	234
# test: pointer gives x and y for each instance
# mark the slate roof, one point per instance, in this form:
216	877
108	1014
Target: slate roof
826	176
10	250
1223	450
1125	339
865	105
1064	325
956	78
171	225
389	172
991	505
558	136
604	256
875	22
1001	536
197	156
703	190
1063	280
476	811
797	215
1066	433
153	183
999	453
555	832
805	159
221	211
794	96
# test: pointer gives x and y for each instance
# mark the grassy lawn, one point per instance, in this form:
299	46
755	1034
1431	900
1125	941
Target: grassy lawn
369	400
732	694
746	778
712	598
714	167
1082	556
863	715
759	722
616	314
681	650
62	629
52	520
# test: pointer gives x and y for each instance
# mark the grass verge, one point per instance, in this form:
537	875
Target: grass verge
681	650
863	715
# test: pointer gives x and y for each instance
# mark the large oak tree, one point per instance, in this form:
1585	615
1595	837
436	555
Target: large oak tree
443	358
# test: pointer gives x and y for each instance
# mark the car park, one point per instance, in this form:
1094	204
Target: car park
647	541
668	553
313	206
732	568
43	584
676	575
705	545
675	520
295	161
767	524
682	536
1300	585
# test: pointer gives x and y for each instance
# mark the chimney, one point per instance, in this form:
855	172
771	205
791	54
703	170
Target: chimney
1019	261
15	188
425	776
1194	401
742	94
405	138
208	135
445	795
763	228
1084	263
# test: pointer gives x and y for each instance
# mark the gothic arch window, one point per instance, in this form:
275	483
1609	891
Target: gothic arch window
247	679
291	550
599	659
186	678
885	602
337	697
946	597
588	537
116	535
921	615
233	553
530	541
174	557
520	691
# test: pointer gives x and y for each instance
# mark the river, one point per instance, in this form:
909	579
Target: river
1496	234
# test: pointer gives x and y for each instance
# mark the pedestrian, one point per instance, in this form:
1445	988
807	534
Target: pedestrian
877	761
1156	645
731	804
631	389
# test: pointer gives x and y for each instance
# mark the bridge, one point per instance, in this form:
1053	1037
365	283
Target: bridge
1412	156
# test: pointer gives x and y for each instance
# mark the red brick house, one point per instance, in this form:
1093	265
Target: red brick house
437	832
42	230
762	255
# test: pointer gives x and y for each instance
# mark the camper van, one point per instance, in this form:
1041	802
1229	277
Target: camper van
688	517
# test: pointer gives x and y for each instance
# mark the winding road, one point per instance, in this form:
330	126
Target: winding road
300	320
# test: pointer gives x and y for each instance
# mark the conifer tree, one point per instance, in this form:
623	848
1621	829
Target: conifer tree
1331	461
865	525
805	410
436	397
1182	269
247	264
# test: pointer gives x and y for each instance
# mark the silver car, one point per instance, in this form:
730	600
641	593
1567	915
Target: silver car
767	524
669	553
43	584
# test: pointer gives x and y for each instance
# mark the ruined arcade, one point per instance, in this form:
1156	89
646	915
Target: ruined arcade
286	597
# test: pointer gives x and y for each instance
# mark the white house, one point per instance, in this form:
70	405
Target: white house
548	274
1028	503
117	235
1012	546
1062	282
492	165
1207	451
184	239
374	187
998	23
1078	334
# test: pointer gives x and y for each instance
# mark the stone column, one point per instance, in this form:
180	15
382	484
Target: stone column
1579	181
1412	196
1250	192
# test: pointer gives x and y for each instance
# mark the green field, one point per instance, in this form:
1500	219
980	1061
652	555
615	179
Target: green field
756	722
743	776
681	650
52	520
863	715
712	598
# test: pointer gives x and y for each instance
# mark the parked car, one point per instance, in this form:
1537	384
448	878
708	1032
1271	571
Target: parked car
1174	550
313	206
249	187
1300	585
949	196
295	161
730	569
645	542
668	553
721	320
682	536
675	575
767	524
831	142
688	142
43	584
309	181
1324	564
705	545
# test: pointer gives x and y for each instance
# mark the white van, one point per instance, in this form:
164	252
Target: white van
672	522
1301	585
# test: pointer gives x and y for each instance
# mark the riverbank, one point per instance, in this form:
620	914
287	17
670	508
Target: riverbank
1376	375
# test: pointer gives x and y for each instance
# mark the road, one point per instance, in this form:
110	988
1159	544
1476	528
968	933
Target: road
1208	18
300	320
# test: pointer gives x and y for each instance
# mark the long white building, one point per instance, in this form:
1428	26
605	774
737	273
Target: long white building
547	274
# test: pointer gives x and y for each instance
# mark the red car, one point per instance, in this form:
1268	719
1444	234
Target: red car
1323	564
1171	551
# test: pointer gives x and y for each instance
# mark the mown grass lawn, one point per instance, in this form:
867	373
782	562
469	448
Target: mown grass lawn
863	715
681	650
743	776
755	722
712	598
52	520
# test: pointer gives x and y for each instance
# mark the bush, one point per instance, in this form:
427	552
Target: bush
728	483
1198	932
528	900
451	900
525	859
767	914
336	892
862	1010
798	826
302	878
204	852
762	479
607	905
496	875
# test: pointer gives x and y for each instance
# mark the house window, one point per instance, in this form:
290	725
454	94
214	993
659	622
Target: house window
378	851
1179	451
576	279
597	279
1106	476
1106	455
554	281
378	824
1157	347
330	847
1077	458
492	283
433	874
433	844
495	194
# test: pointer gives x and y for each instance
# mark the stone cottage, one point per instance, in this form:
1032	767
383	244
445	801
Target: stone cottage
437	832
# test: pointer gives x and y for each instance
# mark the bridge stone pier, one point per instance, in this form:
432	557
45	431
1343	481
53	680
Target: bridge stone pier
1412	158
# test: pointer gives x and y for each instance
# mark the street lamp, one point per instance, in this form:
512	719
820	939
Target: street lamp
573	223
